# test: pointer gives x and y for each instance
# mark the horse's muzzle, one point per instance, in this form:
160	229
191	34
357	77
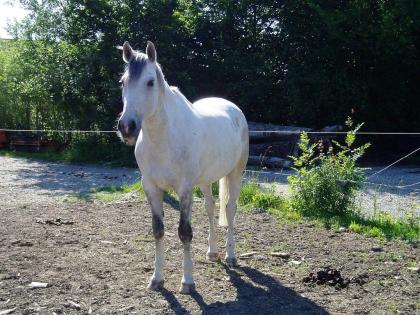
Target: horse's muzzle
129	132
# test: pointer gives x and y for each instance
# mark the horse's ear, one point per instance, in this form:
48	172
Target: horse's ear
127	52
151	51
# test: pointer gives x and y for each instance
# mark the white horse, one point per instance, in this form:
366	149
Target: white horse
180	145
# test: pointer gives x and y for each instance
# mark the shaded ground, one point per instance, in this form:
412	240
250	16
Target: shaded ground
102	258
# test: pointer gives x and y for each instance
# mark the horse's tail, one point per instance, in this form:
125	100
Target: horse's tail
223	196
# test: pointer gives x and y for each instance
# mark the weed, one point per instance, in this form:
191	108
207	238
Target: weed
355	227
248	192
374	232
108	194
325	184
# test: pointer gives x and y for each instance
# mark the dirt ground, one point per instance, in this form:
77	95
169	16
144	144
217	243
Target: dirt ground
97	258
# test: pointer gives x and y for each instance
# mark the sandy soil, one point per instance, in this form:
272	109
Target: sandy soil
98	257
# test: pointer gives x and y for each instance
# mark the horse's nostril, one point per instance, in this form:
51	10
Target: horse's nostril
132	126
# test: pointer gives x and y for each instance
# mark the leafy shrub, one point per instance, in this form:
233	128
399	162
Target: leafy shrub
267	200
252	195
325	183
99	148
375	232
355	227
247	193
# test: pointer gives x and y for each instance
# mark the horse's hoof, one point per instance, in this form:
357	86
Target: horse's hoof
155	285
231	262
213	257
187	288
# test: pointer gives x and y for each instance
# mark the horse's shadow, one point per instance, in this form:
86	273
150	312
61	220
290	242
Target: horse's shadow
257	293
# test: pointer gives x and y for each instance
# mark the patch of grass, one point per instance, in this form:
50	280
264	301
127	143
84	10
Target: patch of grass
380	225
373	231
286	213
268	200
248	192
109	194
355	227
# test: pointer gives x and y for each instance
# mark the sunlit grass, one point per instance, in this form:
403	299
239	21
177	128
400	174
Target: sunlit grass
113	193
380	225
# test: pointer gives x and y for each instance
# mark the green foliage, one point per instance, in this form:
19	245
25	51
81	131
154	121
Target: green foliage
109	194
99	149
251	195
86	149
355	227
374	232
267	200
321	58
248	192
325	183
214	188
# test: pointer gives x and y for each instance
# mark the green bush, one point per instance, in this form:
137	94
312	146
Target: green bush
267	200
93	148
325	183
247	193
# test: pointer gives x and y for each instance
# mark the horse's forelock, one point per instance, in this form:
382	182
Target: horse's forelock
135	67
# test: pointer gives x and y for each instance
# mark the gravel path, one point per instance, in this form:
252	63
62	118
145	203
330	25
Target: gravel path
24	181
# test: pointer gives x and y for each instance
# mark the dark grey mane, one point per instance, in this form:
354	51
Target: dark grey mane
135	67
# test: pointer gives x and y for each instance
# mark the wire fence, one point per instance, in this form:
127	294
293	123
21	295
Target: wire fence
388	188
251	132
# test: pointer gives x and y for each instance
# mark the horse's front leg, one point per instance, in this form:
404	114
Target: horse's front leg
185	235
155	197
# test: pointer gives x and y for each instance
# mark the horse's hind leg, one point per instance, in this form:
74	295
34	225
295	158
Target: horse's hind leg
155	197
212	253
234	183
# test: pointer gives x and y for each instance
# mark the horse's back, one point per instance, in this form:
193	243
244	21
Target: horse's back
224	133
220	115
217	107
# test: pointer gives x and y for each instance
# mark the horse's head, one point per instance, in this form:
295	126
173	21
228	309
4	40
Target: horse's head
140	90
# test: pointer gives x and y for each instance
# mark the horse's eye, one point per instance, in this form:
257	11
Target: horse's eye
150	83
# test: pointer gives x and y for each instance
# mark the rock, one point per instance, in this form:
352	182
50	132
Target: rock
376	249
416	269
342	229
35	285
360	279
283	255
74	305
247	255
8	311
22	243
260	257
127	308
295	262
257	210
107	242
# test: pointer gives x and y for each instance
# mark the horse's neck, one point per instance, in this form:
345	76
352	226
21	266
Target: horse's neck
162	127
